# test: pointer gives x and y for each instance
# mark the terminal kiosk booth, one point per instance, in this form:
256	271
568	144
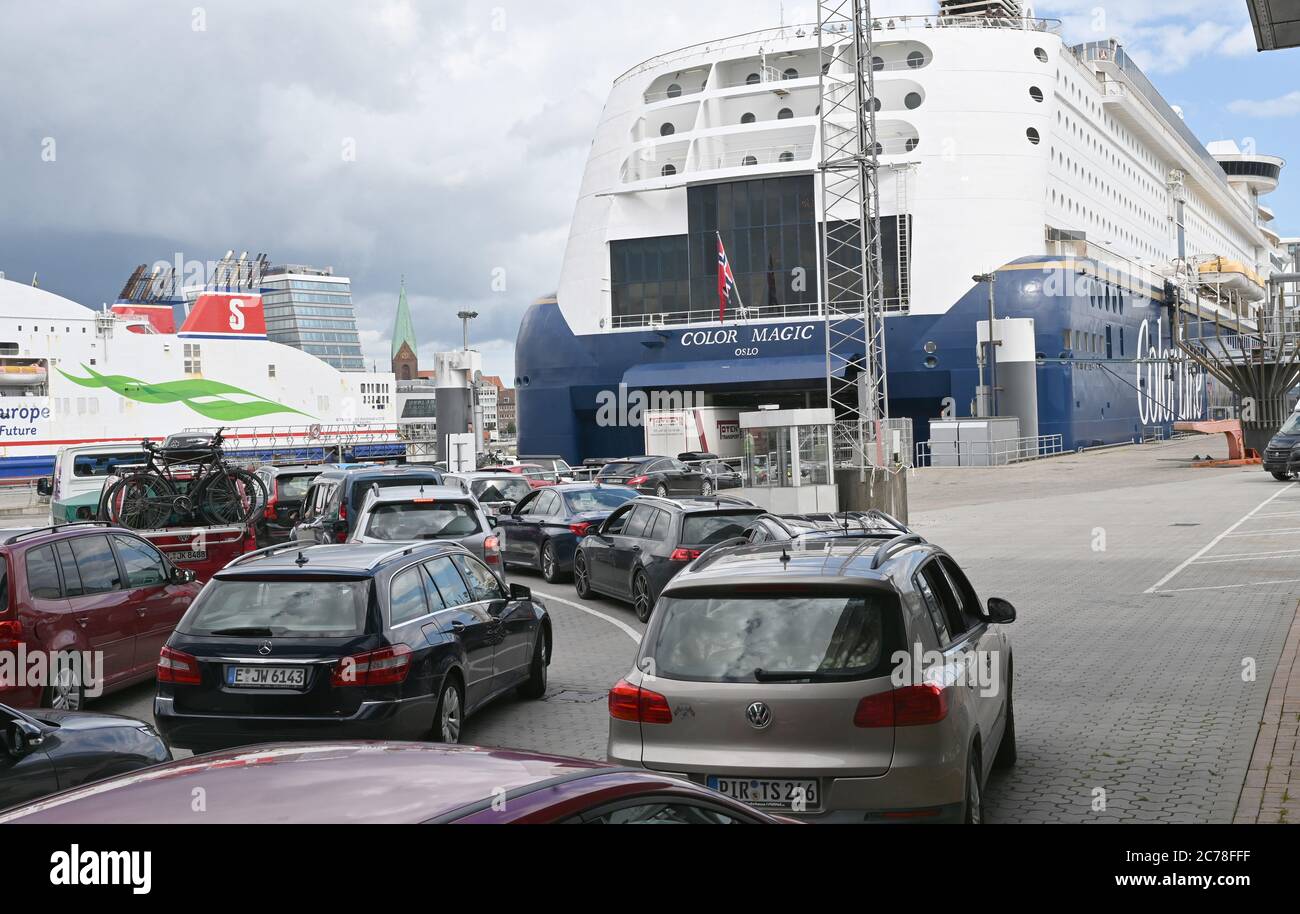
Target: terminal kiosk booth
788	460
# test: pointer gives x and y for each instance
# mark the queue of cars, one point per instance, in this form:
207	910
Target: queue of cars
765	688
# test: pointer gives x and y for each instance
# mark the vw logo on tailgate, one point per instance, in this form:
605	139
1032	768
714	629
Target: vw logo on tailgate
759	715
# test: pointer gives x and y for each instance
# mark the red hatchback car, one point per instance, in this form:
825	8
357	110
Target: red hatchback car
391	782
83	587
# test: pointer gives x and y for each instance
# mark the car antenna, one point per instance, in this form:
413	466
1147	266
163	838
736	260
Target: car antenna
785	556
300	560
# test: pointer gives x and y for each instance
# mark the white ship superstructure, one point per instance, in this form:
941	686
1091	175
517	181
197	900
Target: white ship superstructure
1002	150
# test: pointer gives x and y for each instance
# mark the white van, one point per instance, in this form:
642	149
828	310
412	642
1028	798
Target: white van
79	474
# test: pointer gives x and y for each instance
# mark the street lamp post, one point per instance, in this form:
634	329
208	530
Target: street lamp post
465	318
992	344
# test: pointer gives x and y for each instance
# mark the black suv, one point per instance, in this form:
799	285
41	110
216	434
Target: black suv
662	476
332	504
285	488
1282	456
641	546
354	641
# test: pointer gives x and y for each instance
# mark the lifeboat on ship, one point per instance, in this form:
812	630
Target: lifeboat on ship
1232	276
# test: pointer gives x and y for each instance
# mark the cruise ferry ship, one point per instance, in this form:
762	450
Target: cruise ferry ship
71	375
1057	168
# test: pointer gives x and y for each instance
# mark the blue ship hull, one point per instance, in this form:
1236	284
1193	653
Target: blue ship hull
1086	398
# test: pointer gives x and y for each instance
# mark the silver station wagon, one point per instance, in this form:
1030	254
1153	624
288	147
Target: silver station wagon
845	678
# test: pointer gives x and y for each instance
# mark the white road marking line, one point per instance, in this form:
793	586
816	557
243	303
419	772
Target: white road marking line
1230	586
1251	558
1266	533
1245	555
619	623
1283	514
1214	542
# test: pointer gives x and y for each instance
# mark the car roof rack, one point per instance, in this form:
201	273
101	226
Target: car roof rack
898	542
406	550
731	543
56	528
263	552
729	499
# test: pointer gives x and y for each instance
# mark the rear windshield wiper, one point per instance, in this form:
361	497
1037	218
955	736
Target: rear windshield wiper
251	631
798	675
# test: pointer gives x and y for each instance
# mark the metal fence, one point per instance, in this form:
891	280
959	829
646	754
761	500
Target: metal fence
1001	452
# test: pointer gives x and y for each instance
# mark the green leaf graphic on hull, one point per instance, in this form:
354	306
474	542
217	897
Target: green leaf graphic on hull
207	398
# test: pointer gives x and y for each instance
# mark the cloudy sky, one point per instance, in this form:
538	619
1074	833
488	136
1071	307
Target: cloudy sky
442	141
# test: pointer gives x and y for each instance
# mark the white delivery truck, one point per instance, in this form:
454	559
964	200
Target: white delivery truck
707	429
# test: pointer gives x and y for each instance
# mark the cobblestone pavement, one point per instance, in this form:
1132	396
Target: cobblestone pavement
1143	593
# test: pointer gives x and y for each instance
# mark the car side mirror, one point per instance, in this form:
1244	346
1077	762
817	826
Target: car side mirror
24	737
45	486
181	575
520	592
1001	611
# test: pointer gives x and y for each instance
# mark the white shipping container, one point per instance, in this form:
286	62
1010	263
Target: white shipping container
713	429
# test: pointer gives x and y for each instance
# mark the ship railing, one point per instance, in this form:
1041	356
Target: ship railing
761	37
1001	452
741	315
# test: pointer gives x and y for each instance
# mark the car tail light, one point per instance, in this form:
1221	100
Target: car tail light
178	667
638	481
386	666
271	502
629	702
491	550
343	511
580	530
11	635
684	555
909	706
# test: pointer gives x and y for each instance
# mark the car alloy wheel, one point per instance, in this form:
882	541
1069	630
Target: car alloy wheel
581	582
65	694
641	601
706	488
549	571
661	490
449	713
535	685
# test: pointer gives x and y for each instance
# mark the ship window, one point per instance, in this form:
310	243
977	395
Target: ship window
753	79
1036	93
674	90
270	371
787	156
668	171
1041	55
912	100
784	114
877	149
1032	135
1065	339
749	160
791	73
912	143
916	60
747	118
193	358
8	348
667	130
877	63
873	104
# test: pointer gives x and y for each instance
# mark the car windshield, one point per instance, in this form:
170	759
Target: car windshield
301	608
293	488
1291	426
362	488
98	465
422	520
620	468
729	638
508	488
714	527
606	499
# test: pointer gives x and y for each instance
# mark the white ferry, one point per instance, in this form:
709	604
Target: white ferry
1002	149
71	375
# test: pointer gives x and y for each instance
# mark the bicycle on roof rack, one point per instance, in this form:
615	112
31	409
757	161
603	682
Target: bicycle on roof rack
184	479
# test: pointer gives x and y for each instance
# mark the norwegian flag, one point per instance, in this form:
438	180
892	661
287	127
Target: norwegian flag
726	283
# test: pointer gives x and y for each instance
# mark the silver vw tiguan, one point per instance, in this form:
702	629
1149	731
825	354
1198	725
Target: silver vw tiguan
846	678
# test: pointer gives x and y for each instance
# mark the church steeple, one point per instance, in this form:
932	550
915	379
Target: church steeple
406	364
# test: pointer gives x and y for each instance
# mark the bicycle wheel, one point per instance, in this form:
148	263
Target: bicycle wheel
141	502
230	496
